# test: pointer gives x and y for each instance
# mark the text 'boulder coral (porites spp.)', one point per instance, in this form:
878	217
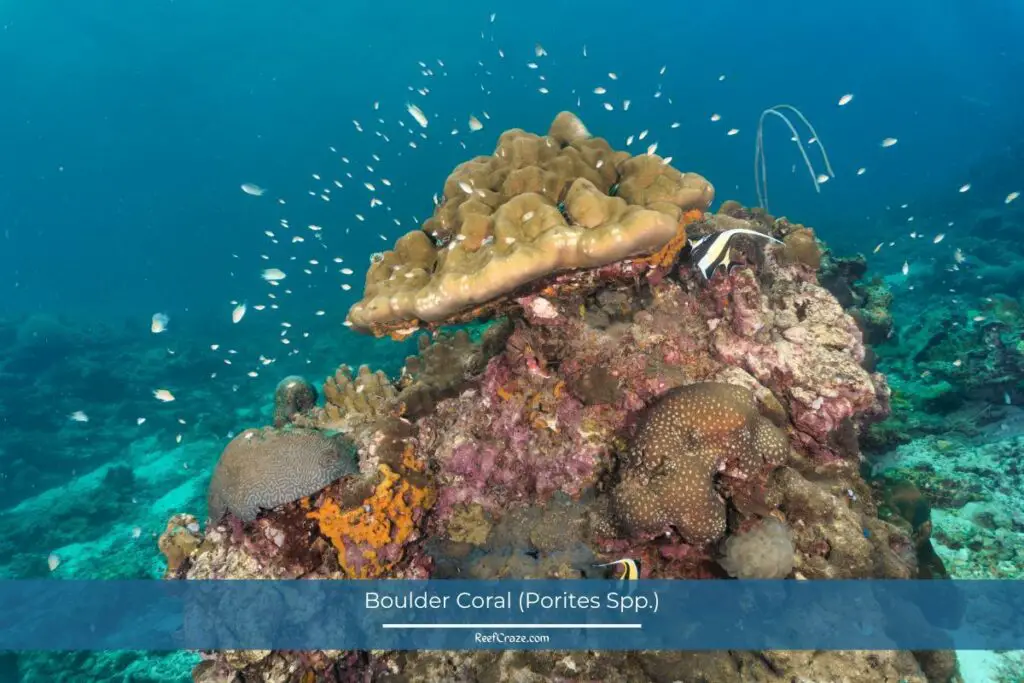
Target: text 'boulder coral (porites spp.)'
683	440
262	469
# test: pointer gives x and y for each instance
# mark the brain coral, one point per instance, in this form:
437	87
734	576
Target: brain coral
262	469
537	206
682	441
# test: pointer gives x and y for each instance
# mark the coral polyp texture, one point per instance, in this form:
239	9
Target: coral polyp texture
536	207
684	439
261	469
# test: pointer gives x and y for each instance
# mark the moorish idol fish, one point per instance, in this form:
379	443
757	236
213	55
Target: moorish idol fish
712	251
630	569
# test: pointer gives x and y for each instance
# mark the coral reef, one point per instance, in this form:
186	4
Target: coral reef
953	366
514	439
964	355
357	399
797	340
443	366
658	667
959	498
625	407
369	538
178	541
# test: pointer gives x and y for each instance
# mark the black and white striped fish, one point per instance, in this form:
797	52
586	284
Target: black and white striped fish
629	570
711	251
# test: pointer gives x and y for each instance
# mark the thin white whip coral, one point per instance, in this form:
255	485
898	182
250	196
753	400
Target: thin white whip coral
760	166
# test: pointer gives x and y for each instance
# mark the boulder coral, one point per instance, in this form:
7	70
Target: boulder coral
537	206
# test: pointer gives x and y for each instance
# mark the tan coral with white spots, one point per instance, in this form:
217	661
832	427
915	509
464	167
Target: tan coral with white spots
683	440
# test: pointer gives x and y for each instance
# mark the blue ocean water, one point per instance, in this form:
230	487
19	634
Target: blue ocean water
126	133
127	129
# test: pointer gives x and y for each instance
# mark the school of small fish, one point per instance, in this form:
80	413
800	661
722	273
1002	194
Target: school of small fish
301	245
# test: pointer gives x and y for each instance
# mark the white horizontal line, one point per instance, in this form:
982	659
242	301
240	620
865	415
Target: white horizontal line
509	626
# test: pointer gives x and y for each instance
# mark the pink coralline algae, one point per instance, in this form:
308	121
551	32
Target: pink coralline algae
795	339
517	439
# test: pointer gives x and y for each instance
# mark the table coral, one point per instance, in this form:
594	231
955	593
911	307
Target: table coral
262	469
502	225
369	538
682	442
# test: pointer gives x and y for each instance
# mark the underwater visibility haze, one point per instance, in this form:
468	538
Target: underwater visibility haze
681	290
